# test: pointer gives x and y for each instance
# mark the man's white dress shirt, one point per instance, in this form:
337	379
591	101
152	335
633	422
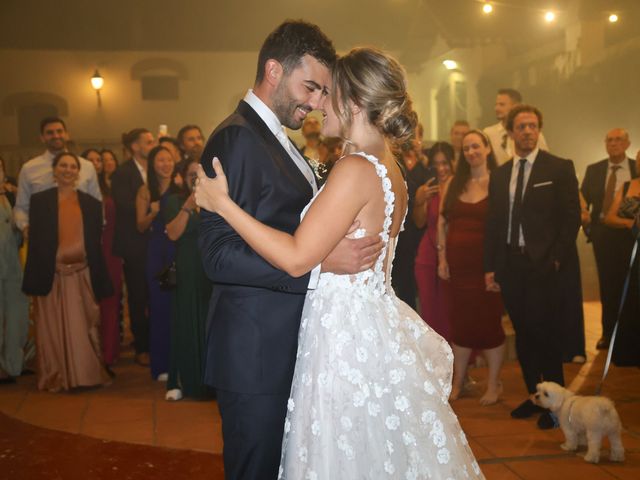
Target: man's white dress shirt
514	183
274	125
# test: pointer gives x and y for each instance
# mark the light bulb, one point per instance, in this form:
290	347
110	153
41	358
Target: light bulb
450	64
97	81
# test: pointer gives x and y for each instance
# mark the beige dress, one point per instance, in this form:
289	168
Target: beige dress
68	318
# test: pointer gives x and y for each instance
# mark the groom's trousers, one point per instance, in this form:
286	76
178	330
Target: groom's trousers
252	429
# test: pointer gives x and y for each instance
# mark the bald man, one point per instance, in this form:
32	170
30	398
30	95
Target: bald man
611	246
311	132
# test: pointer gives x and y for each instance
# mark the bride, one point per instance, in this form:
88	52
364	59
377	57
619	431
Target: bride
371	385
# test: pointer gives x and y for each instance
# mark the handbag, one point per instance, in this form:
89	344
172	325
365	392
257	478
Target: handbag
167	278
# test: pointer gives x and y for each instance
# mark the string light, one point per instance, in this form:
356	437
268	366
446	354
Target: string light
549	16
613	18
487	8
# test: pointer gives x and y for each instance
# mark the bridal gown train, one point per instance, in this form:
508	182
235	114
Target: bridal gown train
370	390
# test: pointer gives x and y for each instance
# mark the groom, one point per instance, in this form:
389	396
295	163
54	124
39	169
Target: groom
255	309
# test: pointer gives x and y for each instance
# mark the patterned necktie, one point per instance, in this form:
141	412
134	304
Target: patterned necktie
610	190
516	211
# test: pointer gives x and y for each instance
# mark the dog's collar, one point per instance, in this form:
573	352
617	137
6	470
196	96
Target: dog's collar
572	400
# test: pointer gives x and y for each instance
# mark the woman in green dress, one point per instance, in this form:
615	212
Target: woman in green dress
190	298
14	306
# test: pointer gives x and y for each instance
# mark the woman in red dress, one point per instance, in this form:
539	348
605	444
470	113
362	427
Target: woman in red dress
432	291
476	308
110	306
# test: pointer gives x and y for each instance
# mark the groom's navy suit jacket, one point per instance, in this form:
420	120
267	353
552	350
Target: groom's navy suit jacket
255	309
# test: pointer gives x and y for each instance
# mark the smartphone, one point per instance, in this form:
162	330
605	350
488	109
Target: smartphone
432	173
163	130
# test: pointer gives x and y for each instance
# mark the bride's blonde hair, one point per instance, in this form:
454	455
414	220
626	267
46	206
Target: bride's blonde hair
376	83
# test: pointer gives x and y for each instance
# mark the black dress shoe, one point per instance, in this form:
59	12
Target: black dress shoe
547	421
603	343
526	409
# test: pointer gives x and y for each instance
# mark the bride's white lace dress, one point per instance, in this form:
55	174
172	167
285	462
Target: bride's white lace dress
370	391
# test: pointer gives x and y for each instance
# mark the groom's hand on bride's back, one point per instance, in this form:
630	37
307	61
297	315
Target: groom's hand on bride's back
353	255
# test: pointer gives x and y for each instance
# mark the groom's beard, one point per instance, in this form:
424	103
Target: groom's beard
285	107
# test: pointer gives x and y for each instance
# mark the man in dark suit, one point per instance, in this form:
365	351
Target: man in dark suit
532	223
611	246
255	310
128	242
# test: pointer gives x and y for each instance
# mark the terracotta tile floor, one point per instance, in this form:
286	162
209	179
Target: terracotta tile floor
133	410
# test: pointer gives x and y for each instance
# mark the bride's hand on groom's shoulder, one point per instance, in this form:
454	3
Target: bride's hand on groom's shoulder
211	193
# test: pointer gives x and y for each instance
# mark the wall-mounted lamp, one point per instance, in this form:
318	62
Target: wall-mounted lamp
97	82
450	64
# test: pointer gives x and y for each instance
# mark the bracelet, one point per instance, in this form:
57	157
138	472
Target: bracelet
439	247
186	210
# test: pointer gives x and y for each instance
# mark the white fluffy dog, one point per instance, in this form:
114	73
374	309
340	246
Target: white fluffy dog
584	420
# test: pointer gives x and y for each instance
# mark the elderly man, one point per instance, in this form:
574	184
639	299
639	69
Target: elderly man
36	175
611	246
501	142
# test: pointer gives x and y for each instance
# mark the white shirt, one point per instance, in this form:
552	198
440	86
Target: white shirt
513	183
36	175
142	170
498	136
274	125
623	174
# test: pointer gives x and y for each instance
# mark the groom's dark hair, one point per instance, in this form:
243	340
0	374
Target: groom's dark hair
293	40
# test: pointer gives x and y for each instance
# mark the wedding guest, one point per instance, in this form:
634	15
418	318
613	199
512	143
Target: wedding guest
311	133
190	298
94	157
128	243
191	141
150	200
109	166
66	273
402	277
14	306
110	307
611	245
501	143
432	291
173	146
36	175
624	214
533	221
476	312
458	130
330	150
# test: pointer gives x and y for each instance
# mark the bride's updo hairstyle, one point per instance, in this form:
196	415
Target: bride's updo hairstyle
376	83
